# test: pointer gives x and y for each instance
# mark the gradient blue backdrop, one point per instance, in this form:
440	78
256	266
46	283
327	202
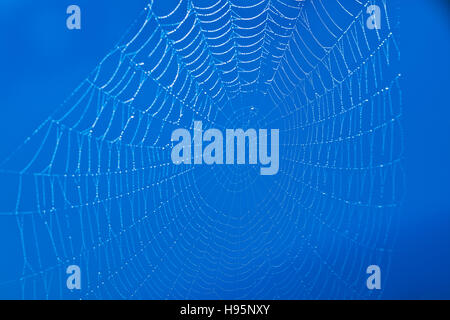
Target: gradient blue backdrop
36	51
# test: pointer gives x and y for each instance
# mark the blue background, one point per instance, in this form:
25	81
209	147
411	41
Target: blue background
422	260
41	62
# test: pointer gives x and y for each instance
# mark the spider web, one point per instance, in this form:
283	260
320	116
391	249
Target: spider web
94	184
